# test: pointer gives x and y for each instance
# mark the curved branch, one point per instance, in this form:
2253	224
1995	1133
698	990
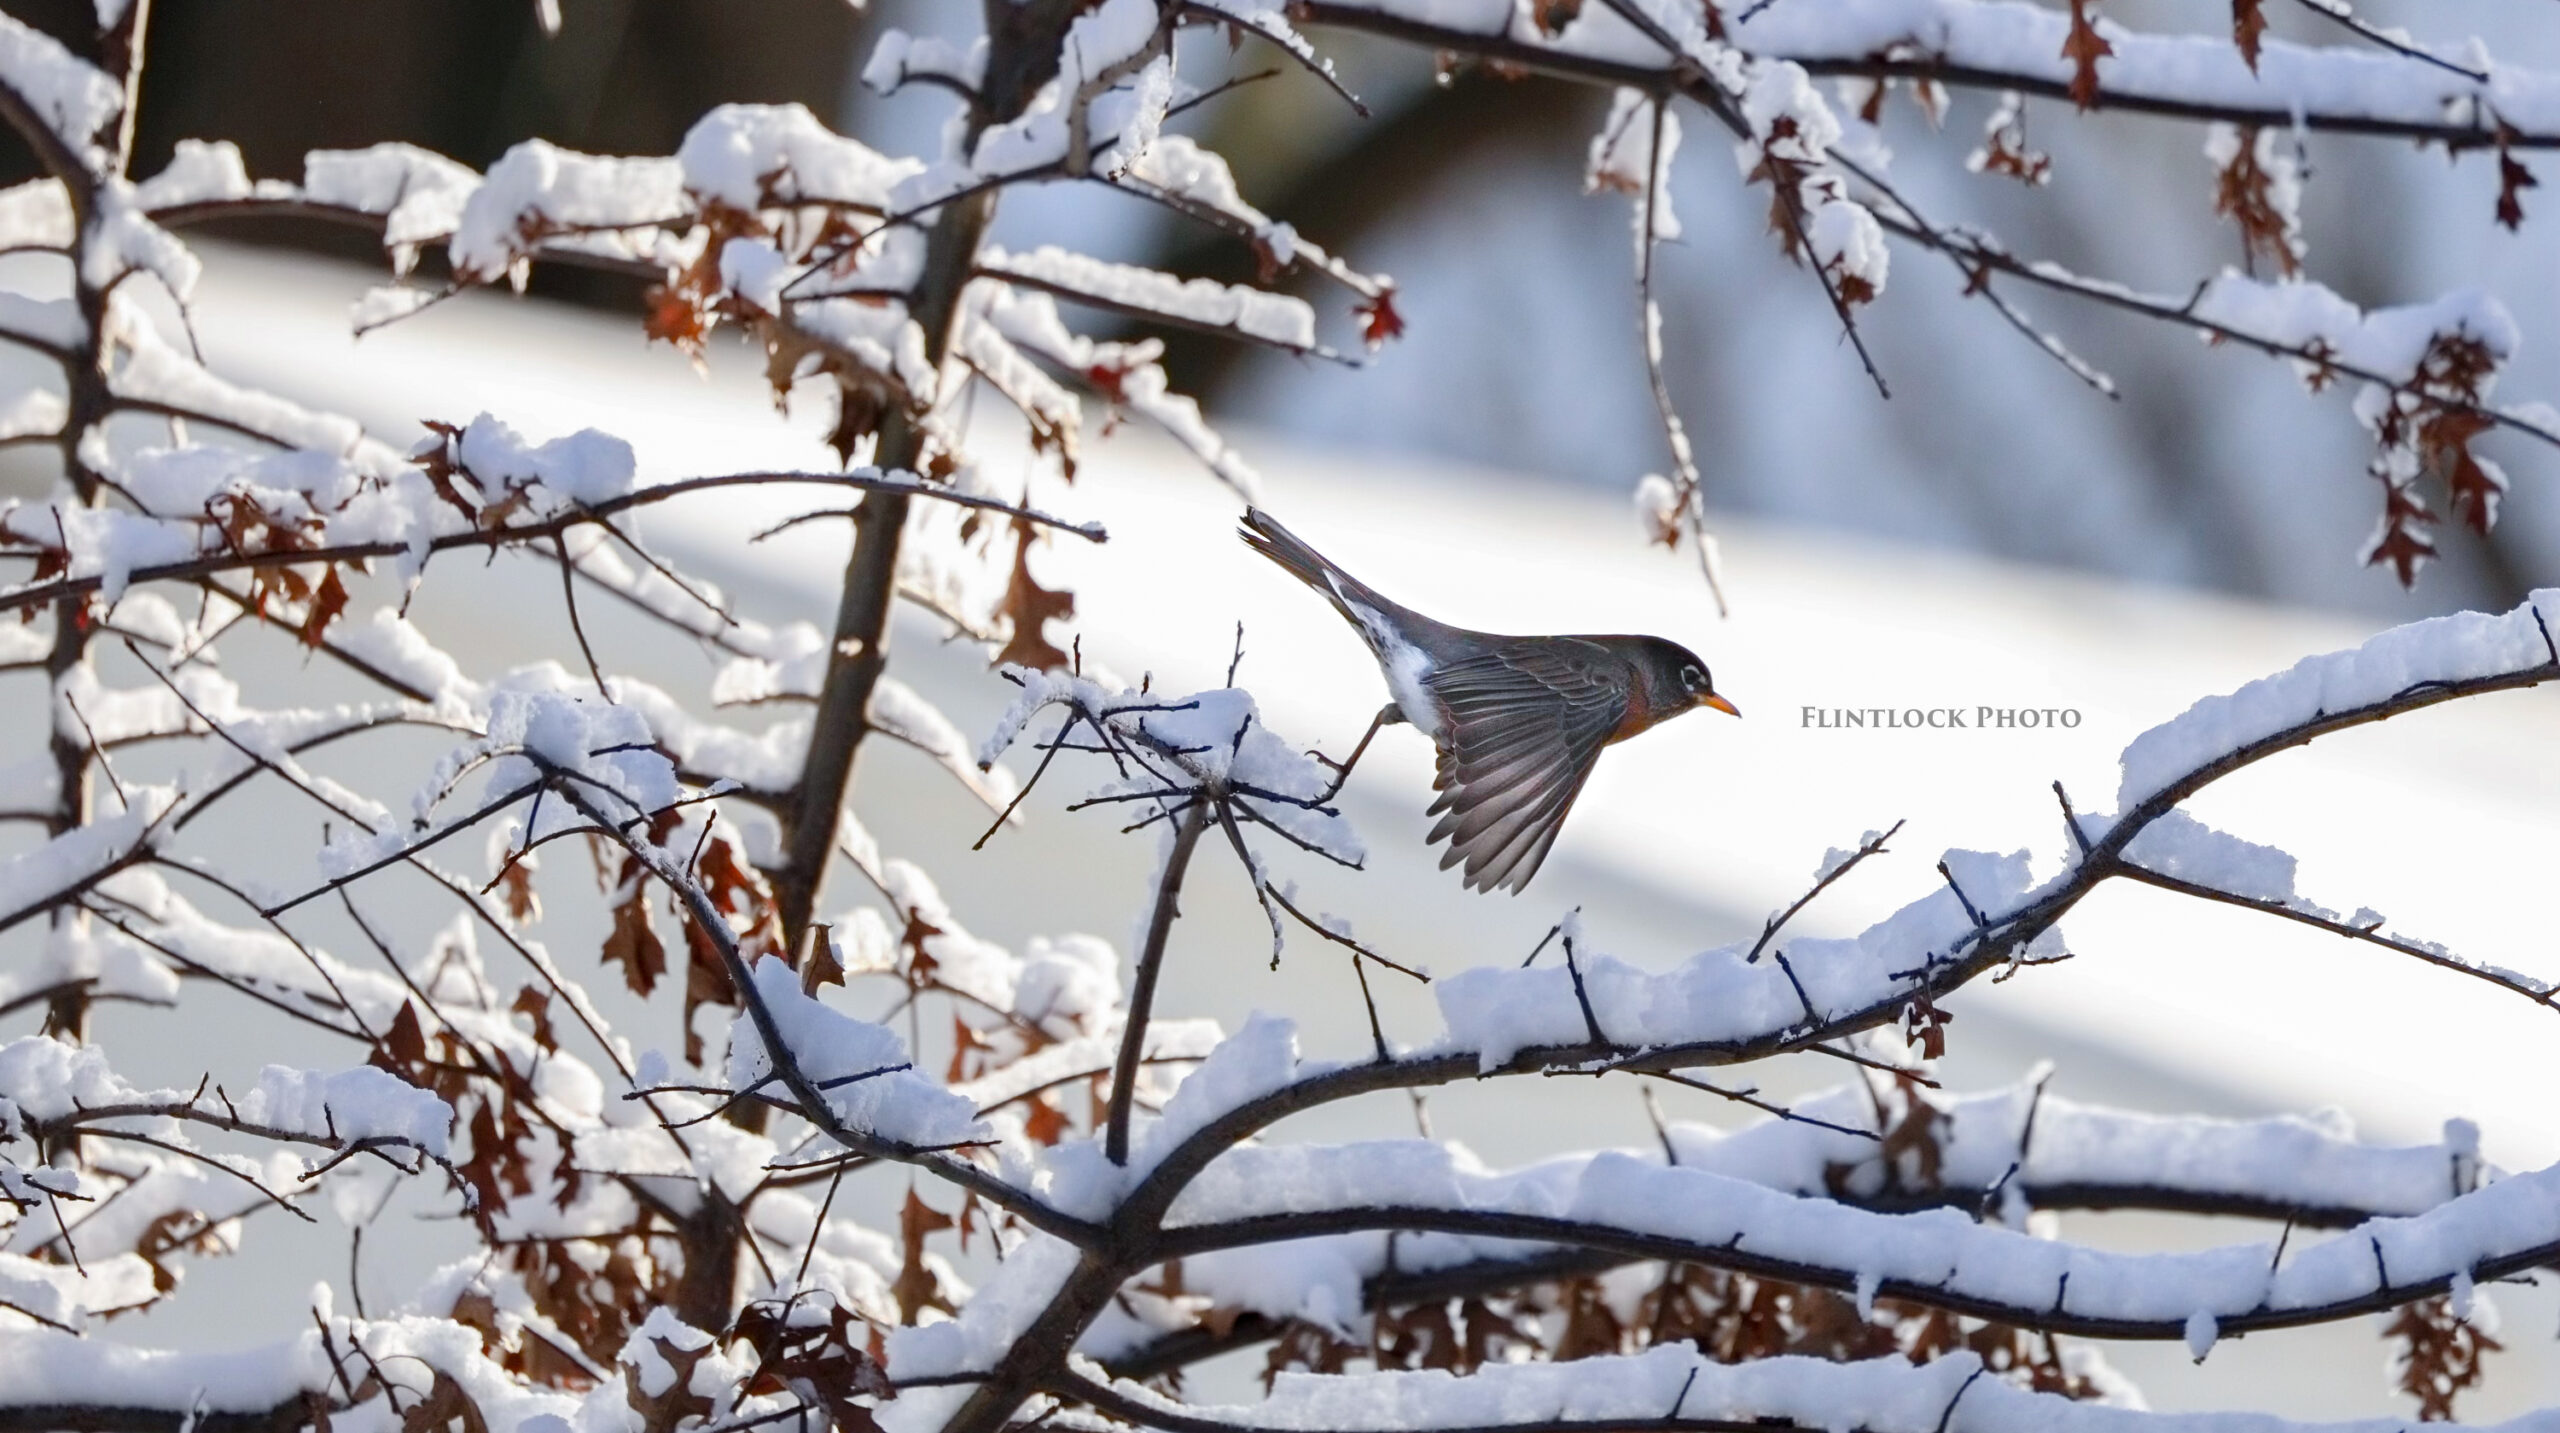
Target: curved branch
51	150
1396	1289
1977	255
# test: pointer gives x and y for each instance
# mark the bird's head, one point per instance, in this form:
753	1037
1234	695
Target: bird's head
1689	683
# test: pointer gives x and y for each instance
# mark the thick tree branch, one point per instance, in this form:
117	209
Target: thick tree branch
1142	995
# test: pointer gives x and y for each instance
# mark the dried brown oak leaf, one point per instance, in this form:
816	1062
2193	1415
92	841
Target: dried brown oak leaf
2245	193
634	946
2439	1355
2402	544
818	1362
918	1288
327	601
523	902
2248	29
1379	320
2513	180
2445	442
820	966
2083	47
1031	606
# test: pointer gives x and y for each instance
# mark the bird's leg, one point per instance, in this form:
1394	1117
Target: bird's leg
1342	769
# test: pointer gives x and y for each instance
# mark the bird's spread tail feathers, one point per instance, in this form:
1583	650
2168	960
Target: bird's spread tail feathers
1264	534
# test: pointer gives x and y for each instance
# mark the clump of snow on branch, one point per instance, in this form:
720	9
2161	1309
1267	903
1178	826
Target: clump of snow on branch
1213	739
862	1068
1719	995
1623	160
1793	131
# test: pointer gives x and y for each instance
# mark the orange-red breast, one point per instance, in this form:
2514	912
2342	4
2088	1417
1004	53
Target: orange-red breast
1519	721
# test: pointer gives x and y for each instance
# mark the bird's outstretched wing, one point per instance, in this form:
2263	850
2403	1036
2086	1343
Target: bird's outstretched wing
1524	725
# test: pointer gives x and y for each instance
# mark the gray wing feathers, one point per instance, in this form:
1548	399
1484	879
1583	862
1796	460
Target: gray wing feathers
1524	730
1522	723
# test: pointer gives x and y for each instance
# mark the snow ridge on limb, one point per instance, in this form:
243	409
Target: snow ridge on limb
2417	664
1239	310
71	104
2003	44
1942	1258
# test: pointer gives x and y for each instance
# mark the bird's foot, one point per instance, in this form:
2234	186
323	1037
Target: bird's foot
1342	769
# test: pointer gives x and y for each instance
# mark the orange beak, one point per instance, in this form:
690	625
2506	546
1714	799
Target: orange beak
1720	704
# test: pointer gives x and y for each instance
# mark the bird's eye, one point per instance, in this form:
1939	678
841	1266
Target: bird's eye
1693	679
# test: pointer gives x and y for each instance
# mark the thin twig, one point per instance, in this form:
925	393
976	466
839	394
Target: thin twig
1871	846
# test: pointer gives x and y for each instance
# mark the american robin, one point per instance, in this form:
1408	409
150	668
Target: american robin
1519	721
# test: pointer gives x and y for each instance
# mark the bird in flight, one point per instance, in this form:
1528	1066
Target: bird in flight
1519	721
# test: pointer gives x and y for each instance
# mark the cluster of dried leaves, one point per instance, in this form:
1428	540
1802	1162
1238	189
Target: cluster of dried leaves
1792	177
2245	192
2424	429
740	891
825	242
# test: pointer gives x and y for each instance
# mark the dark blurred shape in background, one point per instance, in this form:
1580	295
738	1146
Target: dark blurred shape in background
466	78
2213	469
